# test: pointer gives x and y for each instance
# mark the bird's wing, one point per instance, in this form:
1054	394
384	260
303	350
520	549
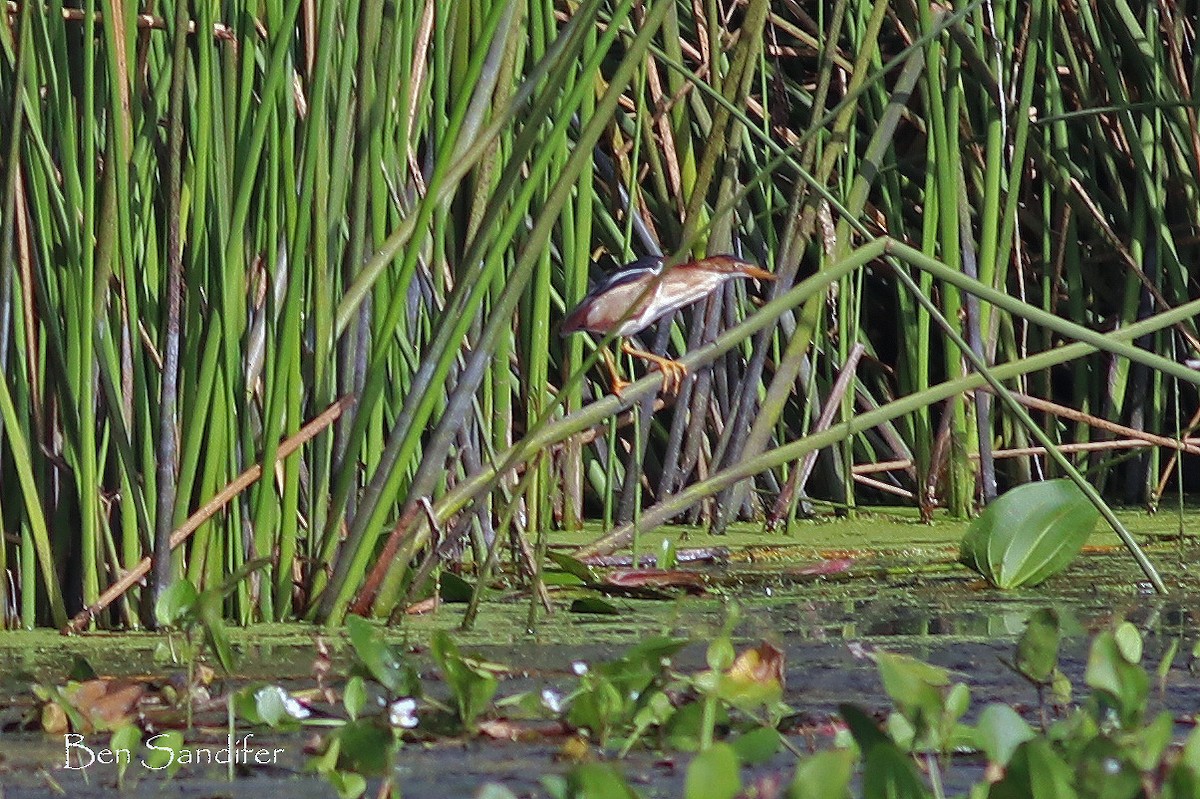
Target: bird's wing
624	289
684	286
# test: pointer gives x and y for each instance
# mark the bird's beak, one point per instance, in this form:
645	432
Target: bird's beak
749	270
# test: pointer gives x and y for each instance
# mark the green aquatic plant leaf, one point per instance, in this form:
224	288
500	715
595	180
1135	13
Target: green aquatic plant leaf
575	567
1120	680
687	727
919	691
757	746
453	588
383	662
176	602
124	739
1031	533
1035	771
354	697
1000	731
594	605
598	781
1185	777
715	773
164	752
1129	641
863	728
912	682
598	707
1037	648
887	771
825	775
473	682
1103	771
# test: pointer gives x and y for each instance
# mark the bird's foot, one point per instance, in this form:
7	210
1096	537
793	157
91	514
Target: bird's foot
673	374
618	385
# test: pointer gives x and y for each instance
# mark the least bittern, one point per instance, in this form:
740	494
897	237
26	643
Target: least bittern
641	293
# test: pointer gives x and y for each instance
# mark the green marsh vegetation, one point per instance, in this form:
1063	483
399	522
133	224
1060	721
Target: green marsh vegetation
280	281
939	735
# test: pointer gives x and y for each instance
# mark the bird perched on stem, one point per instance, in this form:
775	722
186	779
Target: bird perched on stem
642	292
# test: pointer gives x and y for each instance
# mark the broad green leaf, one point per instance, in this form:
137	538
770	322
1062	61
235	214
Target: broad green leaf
1029	534
889	772
720	653
1153	742
918	689
1000	731
598	781
1103	771
597	708
1129	641
555	785
1035	772
213	622
594	605
958	700
354	697
573	566
642	663
176	602
383	662
1184	778
454	588
865	731
472	682
1164	664
163	752
126	739
275	706
557	579
715	773
1061	689
667	557
685	731
1037	649
366	748
825	775
1124	683
1190	756
757	746
81	670
347	784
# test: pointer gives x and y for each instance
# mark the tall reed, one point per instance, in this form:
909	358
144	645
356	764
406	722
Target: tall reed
219	220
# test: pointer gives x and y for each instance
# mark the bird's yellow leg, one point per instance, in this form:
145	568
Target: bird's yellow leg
614	379
673	371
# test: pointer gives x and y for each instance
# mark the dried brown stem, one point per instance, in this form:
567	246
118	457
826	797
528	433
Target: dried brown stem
207	511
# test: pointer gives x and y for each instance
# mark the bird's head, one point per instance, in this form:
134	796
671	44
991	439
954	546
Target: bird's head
728	265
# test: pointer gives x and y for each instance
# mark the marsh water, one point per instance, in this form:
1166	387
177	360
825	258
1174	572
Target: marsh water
826	596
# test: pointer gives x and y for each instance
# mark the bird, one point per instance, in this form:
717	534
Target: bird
643	292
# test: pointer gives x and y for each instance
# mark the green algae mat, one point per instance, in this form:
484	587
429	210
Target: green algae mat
825	595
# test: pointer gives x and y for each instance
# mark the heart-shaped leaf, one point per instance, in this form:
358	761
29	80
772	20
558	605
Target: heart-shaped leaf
1029	534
